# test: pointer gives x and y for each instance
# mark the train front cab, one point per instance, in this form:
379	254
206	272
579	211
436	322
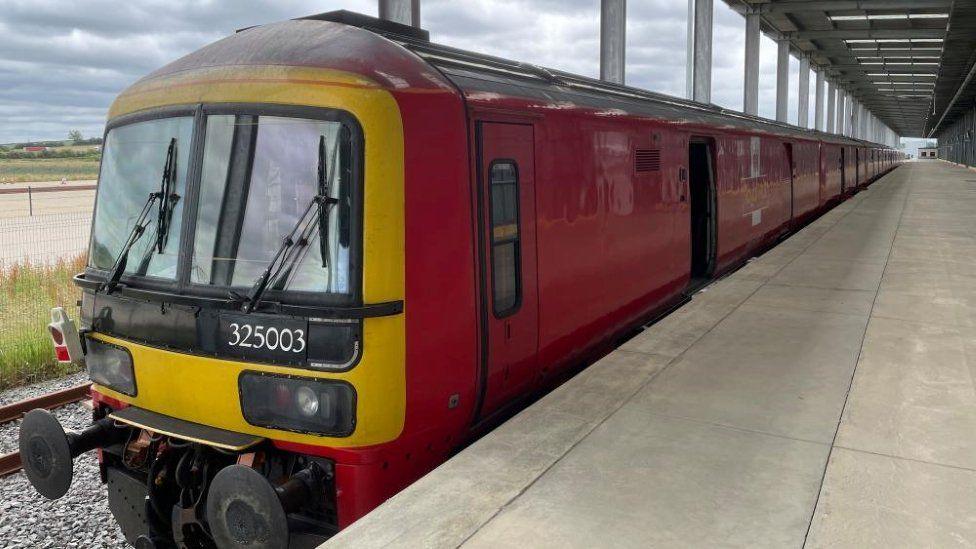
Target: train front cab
252	415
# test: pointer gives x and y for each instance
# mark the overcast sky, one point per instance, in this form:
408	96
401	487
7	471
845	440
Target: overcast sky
63	61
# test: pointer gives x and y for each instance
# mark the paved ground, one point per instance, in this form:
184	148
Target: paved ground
22	205
46	226
822	396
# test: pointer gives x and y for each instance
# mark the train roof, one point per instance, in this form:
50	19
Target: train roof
350	41
476	71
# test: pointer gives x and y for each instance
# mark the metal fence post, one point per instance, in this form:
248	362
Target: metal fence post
30	202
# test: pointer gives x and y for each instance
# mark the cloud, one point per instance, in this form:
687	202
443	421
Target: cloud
63	61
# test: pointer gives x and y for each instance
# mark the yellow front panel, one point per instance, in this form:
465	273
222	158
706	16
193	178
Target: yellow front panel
204	390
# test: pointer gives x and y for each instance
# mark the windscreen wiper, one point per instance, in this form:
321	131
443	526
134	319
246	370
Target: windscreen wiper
323	213
290	250
166	206
291	245
164	214
120	261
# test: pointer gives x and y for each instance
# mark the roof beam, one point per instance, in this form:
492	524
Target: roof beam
792	6
878	52
854	34
889	67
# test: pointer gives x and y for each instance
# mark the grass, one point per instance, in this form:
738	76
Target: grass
27	294
47	169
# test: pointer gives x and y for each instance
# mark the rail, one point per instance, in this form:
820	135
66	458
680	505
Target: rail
10	463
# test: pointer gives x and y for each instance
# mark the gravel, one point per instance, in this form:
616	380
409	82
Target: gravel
79	519
20	393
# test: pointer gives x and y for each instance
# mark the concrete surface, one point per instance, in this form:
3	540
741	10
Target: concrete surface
58	229
824	396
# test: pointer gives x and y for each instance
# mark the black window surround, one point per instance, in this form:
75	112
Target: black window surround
297	300
503	233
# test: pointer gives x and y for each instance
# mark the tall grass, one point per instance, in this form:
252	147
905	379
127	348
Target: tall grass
27	294
48	169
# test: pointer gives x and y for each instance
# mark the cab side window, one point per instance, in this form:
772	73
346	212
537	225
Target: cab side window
505	249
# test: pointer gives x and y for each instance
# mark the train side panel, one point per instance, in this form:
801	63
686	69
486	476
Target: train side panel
830	179
612	242
753	184
806	180
850	169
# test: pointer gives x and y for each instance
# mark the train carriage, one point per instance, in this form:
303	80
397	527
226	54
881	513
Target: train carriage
327	253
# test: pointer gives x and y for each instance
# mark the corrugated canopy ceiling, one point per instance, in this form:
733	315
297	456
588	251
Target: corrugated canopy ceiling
905	60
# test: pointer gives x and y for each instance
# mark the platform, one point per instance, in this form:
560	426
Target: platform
824	395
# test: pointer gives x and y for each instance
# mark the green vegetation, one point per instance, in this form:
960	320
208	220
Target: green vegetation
27	294
15	170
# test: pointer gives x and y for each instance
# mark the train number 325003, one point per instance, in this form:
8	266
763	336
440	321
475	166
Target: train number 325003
266	337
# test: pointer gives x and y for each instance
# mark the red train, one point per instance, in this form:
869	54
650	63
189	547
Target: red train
479	227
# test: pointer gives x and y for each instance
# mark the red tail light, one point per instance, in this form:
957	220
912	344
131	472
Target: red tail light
61	352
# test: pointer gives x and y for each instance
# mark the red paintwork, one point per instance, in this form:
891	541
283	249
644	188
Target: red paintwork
513	339
611	246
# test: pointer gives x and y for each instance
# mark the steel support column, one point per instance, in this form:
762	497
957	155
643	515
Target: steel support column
848	107
831	106
406	12
782	79
699	76
855	117
818	97
842	112
613	40
750	94
803	94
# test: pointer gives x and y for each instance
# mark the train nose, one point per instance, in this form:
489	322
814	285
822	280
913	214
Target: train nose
48	451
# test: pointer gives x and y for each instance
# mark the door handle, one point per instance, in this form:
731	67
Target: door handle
682	184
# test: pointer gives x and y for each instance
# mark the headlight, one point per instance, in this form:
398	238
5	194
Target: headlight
323	407
111	366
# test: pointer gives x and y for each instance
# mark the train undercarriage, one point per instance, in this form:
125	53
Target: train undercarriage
165	491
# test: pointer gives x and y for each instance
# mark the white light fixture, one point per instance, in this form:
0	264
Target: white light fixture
904	57
893	40
905	63
888	16
903	74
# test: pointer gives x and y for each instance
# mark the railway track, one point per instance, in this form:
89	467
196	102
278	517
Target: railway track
10	463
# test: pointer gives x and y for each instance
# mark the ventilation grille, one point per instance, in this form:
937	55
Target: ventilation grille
647	160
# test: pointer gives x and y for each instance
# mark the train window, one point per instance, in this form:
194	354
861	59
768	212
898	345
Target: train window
505	253
133	163
259	176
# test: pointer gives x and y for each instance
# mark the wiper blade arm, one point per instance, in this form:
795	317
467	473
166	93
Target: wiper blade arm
286	255
166	205
323	213
164	214
120	261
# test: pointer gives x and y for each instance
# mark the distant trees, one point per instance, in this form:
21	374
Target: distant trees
75	136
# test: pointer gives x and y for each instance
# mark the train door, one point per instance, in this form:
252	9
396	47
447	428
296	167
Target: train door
792	176
701	191
843	172
509	305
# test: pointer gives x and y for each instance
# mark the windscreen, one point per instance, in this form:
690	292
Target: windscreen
259	175
133	162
